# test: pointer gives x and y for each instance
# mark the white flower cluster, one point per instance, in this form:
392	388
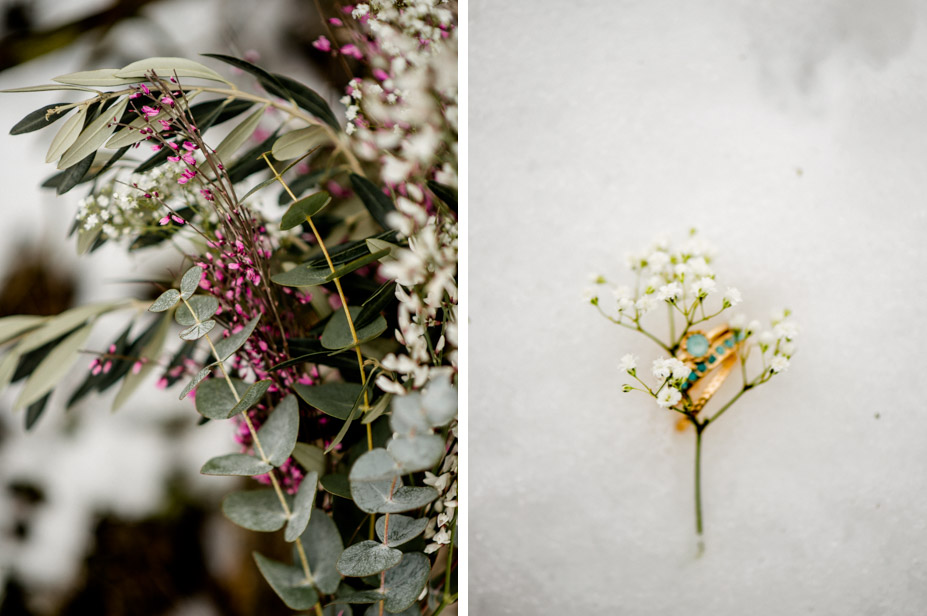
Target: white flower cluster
440	526
776	344
426	276
405	117
124	208
681	276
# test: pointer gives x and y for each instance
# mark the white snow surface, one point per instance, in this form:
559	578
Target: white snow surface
794	136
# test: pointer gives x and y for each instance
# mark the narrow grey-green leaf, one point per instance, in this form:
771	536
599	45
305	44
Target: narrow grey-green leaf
440	402
251	397
356	410
97	77
227	346
302	507
40	118
323	546
132	134
377	409
202	374
236	464
204	306
51	369
404	582
167	67
377	203
148	357
367	558
382	247
257	510
298	142
310	457
67	135
337	334
337	484
18	324
48	88
278	434
239	135
402	529
288	581
190	281
94	136
197	330
68	320
334	399
297	213
416	453
214	399
306	275
86	238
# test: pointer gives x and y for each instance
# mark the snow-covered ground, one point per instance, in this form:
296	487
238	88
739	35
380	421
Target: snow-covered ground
794	136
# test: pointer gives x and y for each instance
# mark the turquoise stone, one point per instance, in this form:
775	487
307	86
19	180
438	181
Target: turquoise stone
712	359
693	376
697	345
729	342
720	350
700	367
685	386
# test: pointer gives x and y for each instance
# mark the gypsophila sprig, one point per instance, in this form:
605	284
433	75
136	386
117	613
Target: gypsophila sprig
703	350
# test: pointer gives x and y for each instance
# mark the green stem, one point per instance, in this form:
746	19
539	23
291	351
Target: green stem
698	477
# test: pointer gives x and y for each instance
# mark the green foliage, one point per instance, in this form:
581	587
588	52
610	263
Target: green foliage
303	208
302	507
235	464
278	434
337	334
367	558
257	510
402	529
289	582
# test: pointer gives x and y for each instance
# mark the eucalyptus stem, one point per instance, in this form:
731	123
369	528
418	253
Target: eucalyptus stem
304	561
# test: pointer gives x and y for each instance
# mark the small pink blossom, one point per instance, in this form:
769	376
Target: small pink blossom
335	21
149	111
189	146
177	219
380	74
351	50
164	221
167	100
145	89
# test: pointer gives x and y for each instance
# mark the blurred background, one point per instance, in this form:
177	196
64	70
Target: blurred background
104	513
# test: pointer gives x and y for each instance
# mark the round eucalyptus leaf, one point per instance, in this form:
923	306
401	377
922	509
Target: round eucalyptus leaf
198	330
416	453
204	306
215	400
408	417
302	507
190	281
337	484
412	610
288	581
440	402
257	510
323	546
367	558
165	301
236	464
402	529
404	582
252	396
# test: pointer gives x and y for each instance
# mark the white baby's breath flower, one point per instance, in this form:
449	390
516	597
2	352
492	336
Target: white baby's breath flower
699	266
628	363
753	326
785	330
669	292
738	321
787	348
625	304
590	294
776	315
646	303
662	368
778	364
658	260
654	283
680	370
621	292
703	286
767	338
668	397
732	296
596	278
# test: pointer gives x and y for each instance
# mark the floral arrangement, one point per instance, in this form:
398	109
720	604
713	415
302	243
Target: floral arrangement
681	280
323	328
